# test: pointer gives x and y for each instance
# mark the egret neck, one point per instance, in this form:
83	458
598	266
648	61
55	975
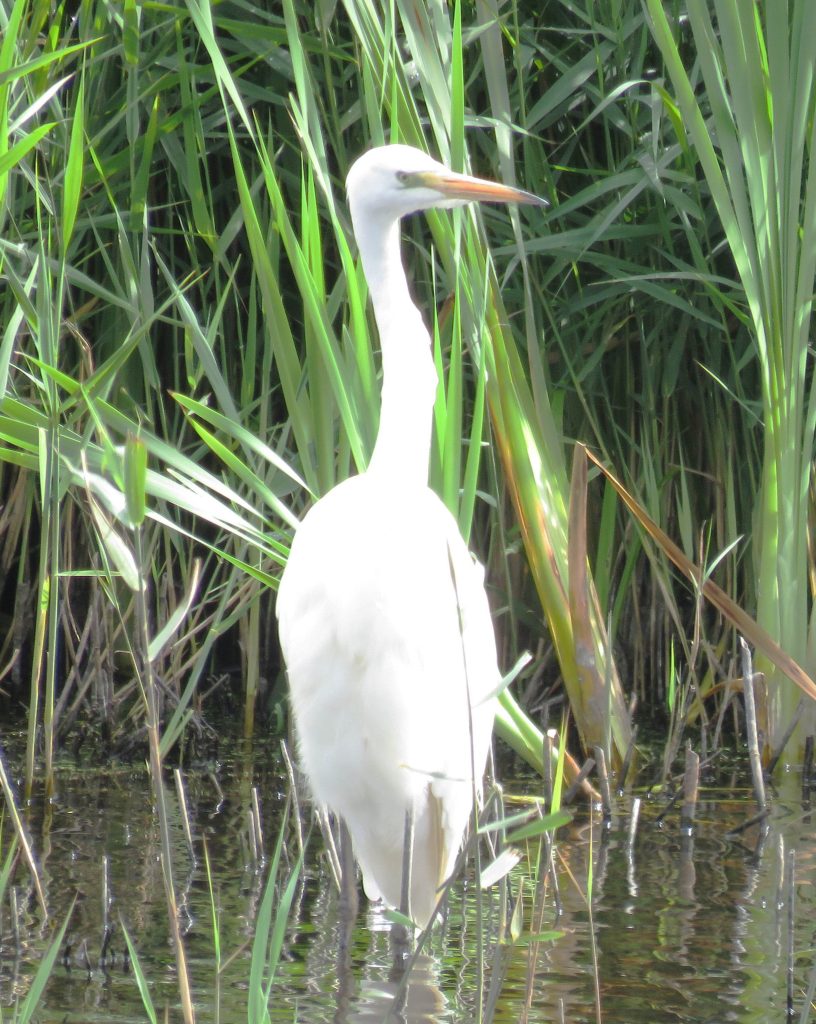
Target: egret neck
403	444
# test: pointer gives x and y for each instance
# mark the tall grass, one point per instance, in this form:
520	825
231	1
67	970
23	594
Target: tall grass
754	136
178	268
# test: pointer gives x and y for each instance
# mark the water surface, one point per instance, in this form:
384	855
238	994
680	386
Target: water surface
685	929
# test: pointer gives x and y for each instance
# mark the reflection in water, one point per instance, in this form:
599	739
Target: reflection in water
369	968
686	928
404	997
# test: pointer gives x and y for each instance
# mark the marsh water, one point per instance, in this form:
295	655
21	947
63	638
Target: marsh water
681	928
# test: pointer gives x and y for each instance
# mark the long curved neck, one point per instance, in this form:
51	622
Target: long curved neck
409	384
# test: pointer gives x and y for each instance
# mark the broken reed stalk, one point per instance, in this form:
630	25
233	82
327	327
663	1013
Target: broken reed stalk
257	824
293	789
779	896
252	835
107	927
790	869
691	785
786	735
578	782
630	753
751	725
550	737
603	778
755	819
22	837
331	846
633	824
185	815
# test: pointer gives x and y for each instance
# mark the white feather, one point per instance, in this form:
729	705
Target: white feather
384	620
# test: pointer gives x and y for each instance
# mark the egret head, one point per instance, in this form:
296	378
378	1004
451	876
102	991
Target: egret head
390	182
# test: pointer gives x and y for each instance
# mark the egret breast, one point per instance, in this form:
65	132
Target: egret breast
389	647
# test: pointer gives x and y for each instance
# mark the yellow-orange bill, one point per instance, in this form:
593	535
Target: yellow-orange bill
463	186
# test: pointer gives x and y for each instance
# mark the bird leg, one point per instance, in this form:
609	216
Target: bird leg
400	933
348	876
407	863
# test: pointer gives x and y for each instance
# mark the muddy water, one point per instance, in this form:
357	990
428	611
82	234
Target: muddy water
686	930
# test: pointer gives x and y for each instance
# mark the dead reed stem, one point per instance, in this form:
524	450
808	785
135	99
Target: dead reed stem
751	726
691	783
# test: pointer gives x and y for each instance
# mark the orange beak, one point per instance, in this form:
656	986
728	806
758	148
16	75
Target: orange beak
463	186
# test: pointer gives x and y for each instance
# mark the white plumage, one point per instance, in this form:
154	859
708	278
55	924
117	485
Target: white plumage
384	621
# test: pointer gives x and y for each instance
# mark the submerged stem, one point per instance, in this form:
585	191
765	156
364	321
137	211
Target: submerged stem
150	695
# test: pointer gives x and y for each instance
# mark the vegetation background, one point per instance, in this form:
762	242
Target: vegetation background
186	357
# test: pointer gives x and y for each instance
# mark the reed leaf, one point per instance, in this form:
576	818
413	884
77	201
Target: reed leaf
755	141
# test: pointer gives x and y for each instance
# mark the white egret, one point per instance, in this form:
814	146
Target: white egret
384	620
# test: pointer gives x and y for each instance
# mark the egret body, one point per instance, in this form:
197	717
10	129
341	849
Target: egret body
384	621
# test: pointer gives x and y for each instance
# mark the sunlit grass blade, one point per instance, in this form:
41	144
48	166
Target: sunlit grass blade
539	825
29	1008
141	980
72	187
174	621
14	154
201	14
134	470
